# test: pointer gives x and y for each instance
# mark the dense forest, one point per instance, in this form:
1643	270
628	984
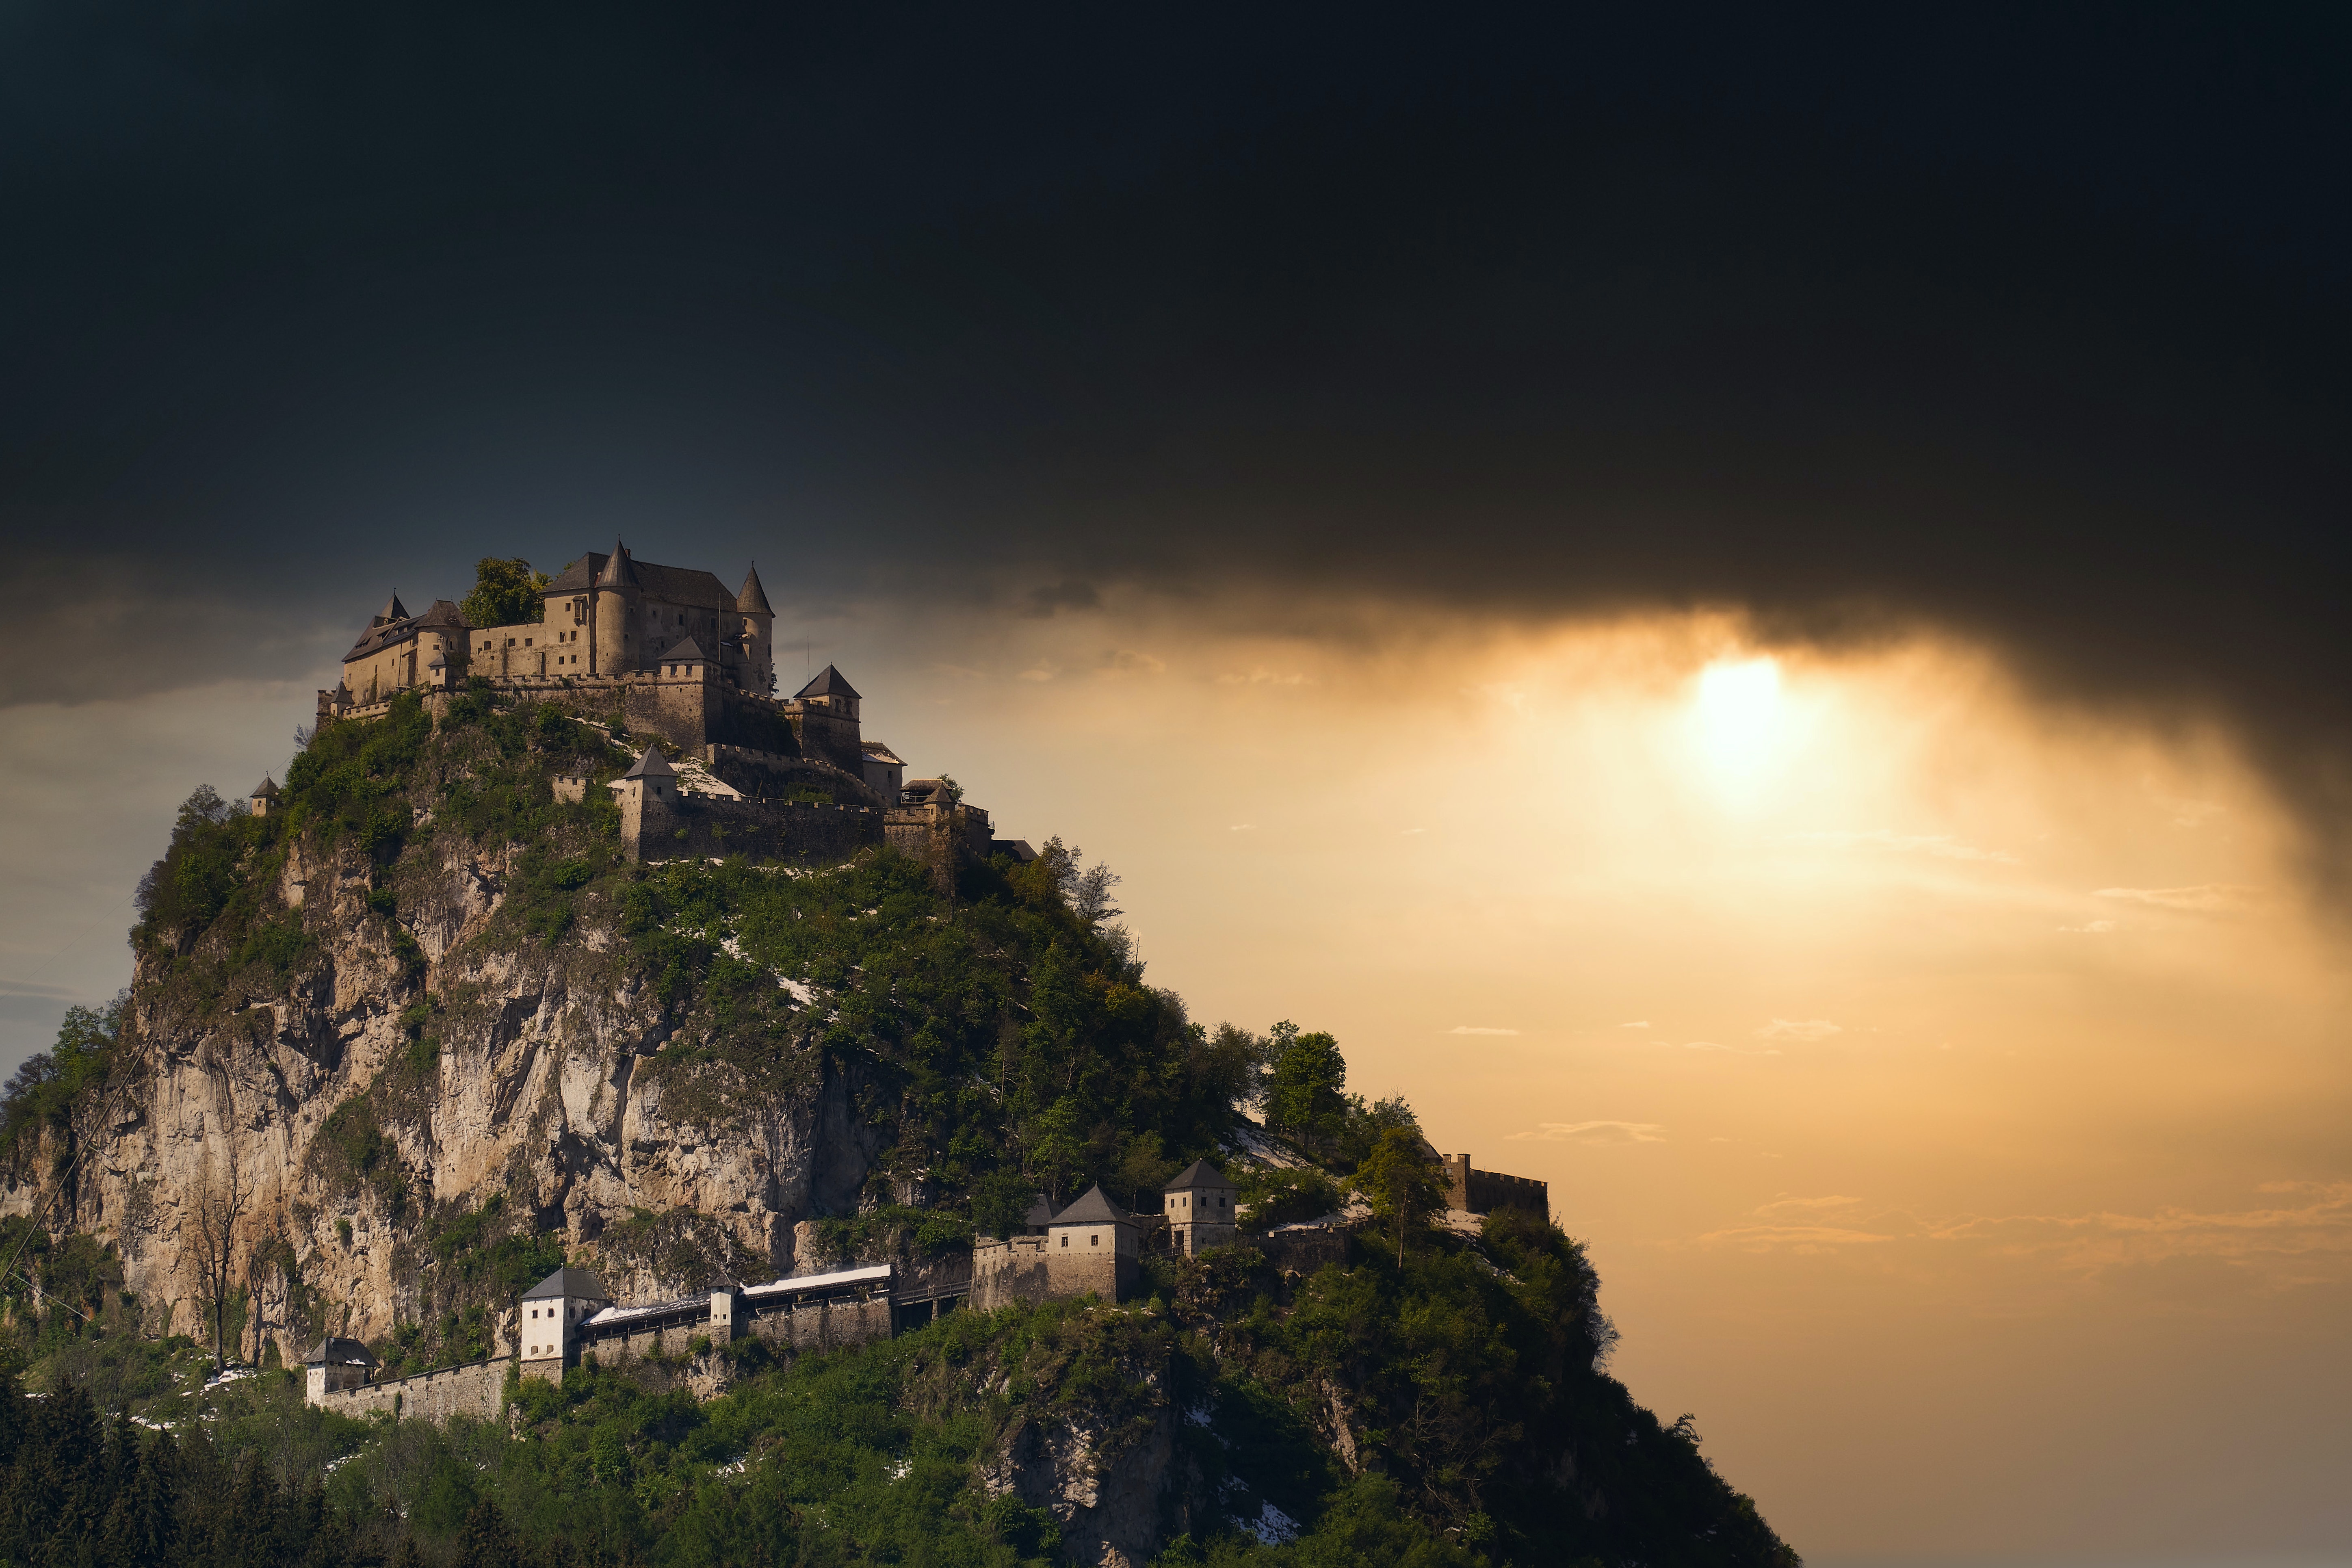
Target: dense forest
1437	1396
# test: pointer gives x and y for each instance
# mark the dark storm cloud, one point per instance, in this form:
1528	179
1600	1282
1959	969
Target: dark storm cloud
2026	327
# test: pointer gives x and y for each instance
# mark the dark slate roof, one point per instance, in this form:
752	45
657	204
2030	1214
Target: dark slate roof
687	649
338	1351
671	585
266	790
442	614
1040	1215
381	634
652	765
577	1283
618	570
1094	1209
1200	1173
753	599
875	751
828	683
394	610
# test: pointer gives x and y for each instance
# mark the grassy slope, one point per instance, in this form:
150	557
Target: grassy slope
1000	1044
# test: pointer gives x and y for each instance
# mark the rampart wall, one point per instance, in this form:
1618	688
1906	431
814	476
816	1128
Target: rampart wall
476	1389
696	827
1025	1272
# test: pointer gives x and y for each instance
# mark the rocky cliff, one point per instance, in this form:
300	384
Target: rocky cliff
413	1058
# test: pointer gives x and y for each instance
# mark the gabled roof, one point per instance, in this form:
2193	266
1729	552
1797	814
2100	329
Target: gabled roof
577	1283
753	599
266	790
828	683
1094	1208
1200	1173
338	1351
689	648
652	765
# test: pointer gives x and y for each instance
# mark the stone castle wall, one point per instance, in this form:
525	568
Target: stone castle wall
1024	1271
697	827
476	1389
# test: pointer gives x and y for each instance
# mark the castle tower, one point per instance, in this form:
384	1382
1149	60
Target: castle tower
548	1320
614	648
1199	1205
759	635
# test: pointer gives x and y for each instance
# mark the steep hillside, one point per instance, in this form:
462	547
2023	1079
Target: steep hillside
419	1036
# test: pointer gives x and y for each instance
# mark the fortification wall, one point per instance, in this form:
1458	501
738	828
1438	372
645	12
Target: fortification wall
1025	1272
821	1325
1491	1190
693	827
1009	1273
476	1389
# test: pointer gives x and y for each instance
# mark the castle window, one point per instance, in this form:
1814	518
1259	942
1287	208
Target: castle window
1094	1240
1065	1241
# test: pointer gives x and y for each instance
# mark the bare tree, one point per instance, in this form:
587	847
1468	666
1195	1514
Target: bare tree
217	1206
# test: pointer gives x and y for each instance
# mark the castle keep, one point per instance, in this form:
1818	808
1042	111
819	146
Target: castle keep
670	655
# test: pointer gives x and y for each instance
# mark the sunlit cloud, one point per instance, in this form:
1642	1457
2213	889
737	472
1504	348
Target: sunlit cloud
1243	828
1126	661
1730	1050
1477	1030
2206	898
1261	676
1039	672
2090	928
1599	1134
1798	1029
1409	832
1798	1239
1942	846
1636	1024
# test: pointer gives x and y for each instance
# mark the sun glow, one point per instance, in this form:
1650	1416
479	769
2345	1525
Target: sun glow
1738	719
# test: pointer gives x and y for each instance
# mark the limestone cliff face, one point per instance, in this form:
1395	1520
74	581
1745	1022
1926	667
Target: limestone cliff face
547	1087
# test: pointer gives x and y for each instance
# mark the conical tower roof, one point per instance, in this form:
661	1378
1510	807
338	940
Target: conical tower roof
753	599
828	683
1095	1208
619	572
266	790
1200	1173
652	765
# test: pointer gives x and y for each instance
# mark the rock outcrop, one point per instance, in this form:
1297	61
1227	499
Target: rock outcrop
429	1062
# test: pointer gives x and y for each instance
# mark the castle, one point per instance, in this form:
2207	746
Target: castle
1091	1247
670	655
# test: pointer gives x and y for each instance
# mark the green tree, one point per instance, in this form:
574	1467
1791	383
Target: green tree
506	593
1305	1088
1402	1182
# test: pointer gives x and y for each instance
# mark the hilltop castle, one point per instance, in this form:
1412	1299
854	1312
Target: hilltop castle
670	654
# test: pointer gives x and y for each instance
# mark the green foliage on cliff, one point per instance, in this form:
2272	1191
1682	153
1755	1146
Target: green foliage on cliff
506	593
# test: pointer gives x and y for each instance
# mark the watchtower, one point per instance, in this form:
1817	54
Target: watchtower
1200	1209
548	1320
337	1365
1092	1246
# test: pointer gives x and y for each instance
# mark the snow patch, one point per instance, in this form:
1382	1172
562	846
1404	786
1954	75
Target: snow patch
1272	1526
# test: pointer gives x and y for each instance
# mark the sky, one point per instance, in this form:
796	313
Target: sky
1747	607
